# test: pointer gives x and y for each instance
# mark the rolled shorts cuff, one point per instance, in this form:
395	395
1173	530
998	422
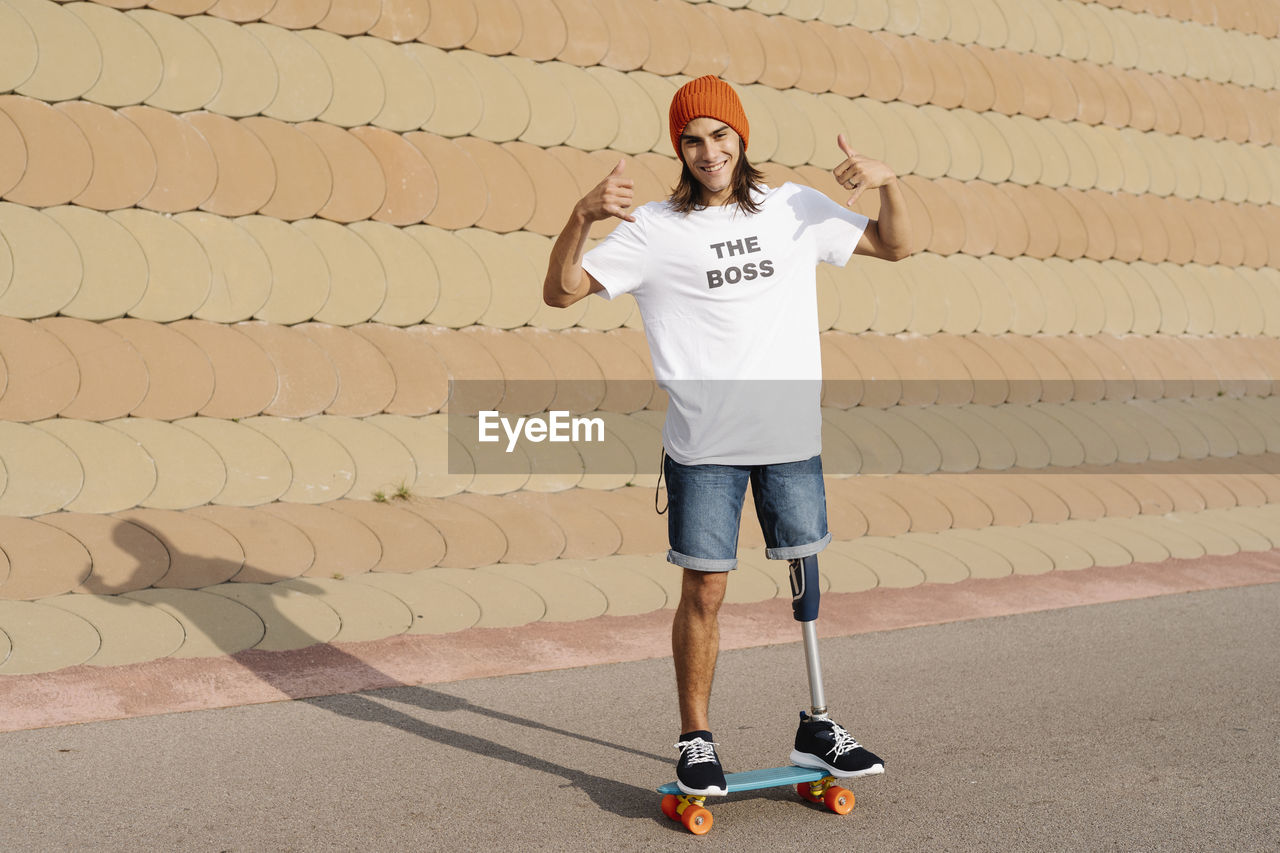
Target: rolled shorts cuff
701	564
798	552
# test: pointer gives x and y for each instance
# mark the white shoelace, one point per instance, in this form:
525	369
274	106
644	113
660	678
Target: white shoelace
697	751
844	742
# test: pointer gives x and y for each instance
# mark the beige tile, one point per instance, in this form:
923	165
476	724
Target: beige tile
297	14
305	85
628	380
118	473
243	270
632	512
567	598
192	72
590	98
504	603
358	89
515	289
47	269
925	509
381	462
249	80
303	180
444	466
252	469
212	624
641	124
343	545
409	93
300	278
69	61
292	619
28	626
364	612
797	144
124	556
43	560
408	541
130	631
18	47
471	538
322	468
189	471
628	591
891	570
883	515
179	275
437	607
752	580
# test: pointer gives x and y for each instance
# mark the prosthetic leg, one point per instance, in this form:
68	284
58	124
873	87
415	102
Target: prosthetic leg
804	606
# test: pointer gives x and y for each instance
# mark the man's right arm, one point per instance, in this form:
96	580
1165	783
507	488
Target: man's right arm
566	280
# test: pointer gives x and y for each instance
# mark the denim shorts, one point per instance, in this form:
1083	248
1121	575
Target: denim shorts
704	511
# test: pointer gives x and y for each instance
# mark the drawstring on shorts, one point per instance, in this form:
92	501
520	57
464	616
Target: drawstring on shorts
662	465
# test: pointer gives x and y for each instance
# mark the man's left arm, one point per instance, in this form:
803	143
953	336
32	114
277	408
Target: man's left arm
889	235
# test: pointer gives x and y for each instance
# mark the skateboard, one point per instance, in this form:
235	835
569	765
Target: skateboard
816	786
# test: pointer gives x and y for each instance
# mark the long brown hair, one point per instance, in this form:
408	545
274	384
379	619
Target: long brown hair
747	180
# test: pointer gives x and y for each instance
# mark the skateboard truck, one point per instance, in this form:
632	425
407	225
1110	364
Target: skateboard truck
805	595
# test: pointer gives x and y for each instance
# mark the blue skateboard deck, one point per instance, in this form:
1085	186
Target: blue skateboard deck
755	780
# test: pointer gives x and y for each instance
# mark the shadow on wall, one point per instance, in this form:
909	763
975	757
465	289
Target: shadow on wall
306	673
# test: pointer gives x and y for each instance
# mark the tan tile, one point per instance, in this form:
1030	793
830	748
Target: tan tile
359	185
408	541
343	545
245	378
303	180
308	379
590	98
200	552
212	625
186	170
118	473
437	607
191	72
891	570
421	377
413	284
1027	307
751	581
471	538
844	572
515	293
870	510
458	205
1056	384
273	548
366	381
529	383
246	175
444	465
628	385
632	512
411	186
567	598
409	95
927	513
947	234
180	374
507	110
580	385
124	556
305	86
614	34
466	359
350	19
112	139
589	533
323	470
43	560
297	14
28	626
188	470
42	373
641	124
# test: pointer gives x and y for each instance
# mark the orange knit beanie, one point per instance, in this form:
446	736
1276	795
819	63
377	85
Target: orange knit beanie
708	97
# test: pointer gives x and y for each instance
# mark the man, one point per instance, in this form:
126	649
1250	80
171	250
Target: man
724	275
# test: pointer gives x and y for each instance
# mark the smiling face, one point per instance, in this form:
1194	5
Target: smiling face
711	149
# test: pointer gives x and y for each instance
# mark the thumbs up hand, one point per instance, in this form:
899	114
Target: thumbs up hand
859	173
611	197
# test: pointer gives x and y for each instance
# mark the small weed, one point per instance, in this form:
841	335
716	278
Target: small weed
379	497
339	576
402	492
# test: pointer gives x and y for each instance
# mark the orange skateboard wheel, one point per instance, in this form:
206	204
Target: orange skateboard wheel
671	806
697	820
839	800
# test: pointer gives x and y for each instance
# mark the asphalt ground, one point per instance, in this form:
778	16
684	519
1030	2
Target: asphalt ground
1140	725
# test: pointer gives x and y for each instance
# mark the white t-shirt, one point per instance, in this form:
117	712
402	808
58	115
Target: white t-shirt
730	308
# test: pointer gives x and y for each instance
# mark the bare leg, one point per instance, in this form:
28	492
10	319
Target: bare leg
695	643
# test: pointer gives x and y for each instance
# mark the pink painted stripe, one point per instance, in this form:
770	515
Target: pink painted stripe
85	694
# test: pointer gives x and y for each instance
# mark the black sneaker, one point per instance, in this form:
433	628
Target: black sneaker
698	772
822	744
